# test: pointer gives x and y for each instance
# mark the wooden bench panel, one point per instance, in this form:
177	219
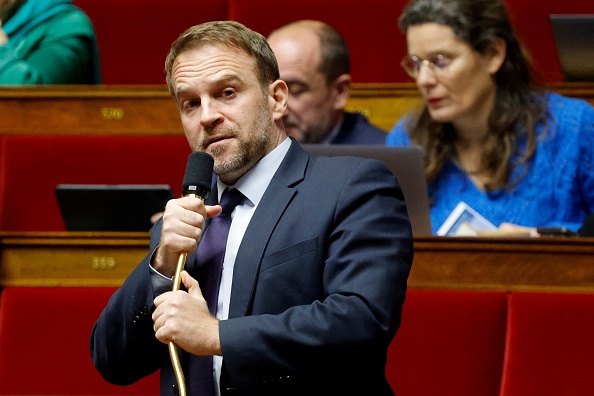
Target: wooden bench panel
150	110
147	109
501	264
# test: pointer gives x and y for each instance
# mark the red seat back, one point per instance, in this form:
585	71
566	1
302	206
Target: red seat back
44	343
532	24
134	36
450	343
550	349
32	165
370	29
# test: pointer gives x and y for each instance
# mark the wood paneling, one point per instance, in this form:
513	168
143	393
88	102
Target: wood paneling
149	109
509	264
106	109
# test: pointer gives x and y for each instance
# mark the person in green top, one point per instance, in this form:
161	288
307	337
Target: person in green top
46	42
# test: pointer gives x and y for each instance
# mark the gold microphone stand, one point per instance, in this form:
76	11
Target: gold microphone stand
179	374
196	179
173	354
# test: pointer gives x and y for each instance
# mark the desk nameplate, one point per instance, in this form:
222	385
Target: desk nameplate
69	259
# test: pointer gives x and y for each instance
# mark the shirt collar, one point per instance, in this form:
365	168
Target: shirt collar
255	181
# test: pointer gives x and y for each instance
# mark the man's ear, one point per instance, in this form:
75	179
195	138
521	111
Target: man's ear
341	88
496	54
278	94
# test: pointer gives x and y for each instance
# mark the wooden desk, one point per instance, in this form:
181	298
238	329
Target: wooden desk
69	259
88	109
150	110
511	264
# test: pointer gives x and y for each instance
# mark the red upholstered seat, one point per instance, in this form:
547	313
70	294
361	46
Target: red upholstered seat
44	343
134	36
32	165
532	24
450	344
370	29
550	349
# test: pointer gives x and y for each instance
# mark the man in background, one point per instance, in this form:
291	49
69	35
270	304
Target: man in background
314	61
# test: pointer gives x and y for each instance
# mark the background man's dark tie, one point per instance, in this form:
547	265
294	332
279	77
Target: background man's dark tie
210	256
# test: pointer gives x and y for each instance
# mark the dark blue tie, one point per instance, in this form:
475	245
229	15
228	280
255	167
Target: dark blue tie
209	257
211	250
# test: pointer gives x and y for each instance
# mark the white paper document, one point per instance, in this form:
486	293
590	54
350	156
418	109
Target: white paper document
464	221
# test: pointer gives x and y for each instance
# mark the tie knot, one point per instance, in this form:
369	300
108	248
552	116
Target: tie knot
230	199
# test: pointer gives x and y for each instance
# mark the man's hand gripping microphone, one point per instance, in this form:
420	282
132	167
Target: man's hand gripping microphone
197	181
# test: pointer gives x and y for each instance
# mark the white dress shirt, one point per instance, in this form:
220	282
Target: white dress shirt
252	185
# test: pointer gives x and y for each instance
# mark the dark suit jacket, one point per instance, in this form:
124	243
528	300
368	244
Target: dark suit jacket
356	129
318	287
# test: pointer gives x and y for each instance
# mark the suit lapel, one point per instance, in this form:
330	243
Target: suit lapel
278	195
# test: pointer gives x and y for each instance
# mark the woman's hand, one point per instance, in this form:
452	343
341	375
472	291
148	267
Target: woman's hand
518	230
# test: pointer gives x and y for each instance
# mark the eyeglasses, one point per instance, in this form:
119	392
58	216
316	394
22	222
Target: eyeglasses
437	63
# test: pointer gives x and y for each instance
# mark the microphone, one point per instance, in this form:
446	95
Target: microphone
198	176
197	181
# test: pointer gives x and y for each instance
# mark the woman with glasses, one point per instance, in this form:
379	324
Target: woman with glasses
520	156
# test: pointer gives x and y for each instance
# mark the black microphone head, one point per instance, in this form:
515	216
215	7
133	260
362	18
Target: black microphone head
198	177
